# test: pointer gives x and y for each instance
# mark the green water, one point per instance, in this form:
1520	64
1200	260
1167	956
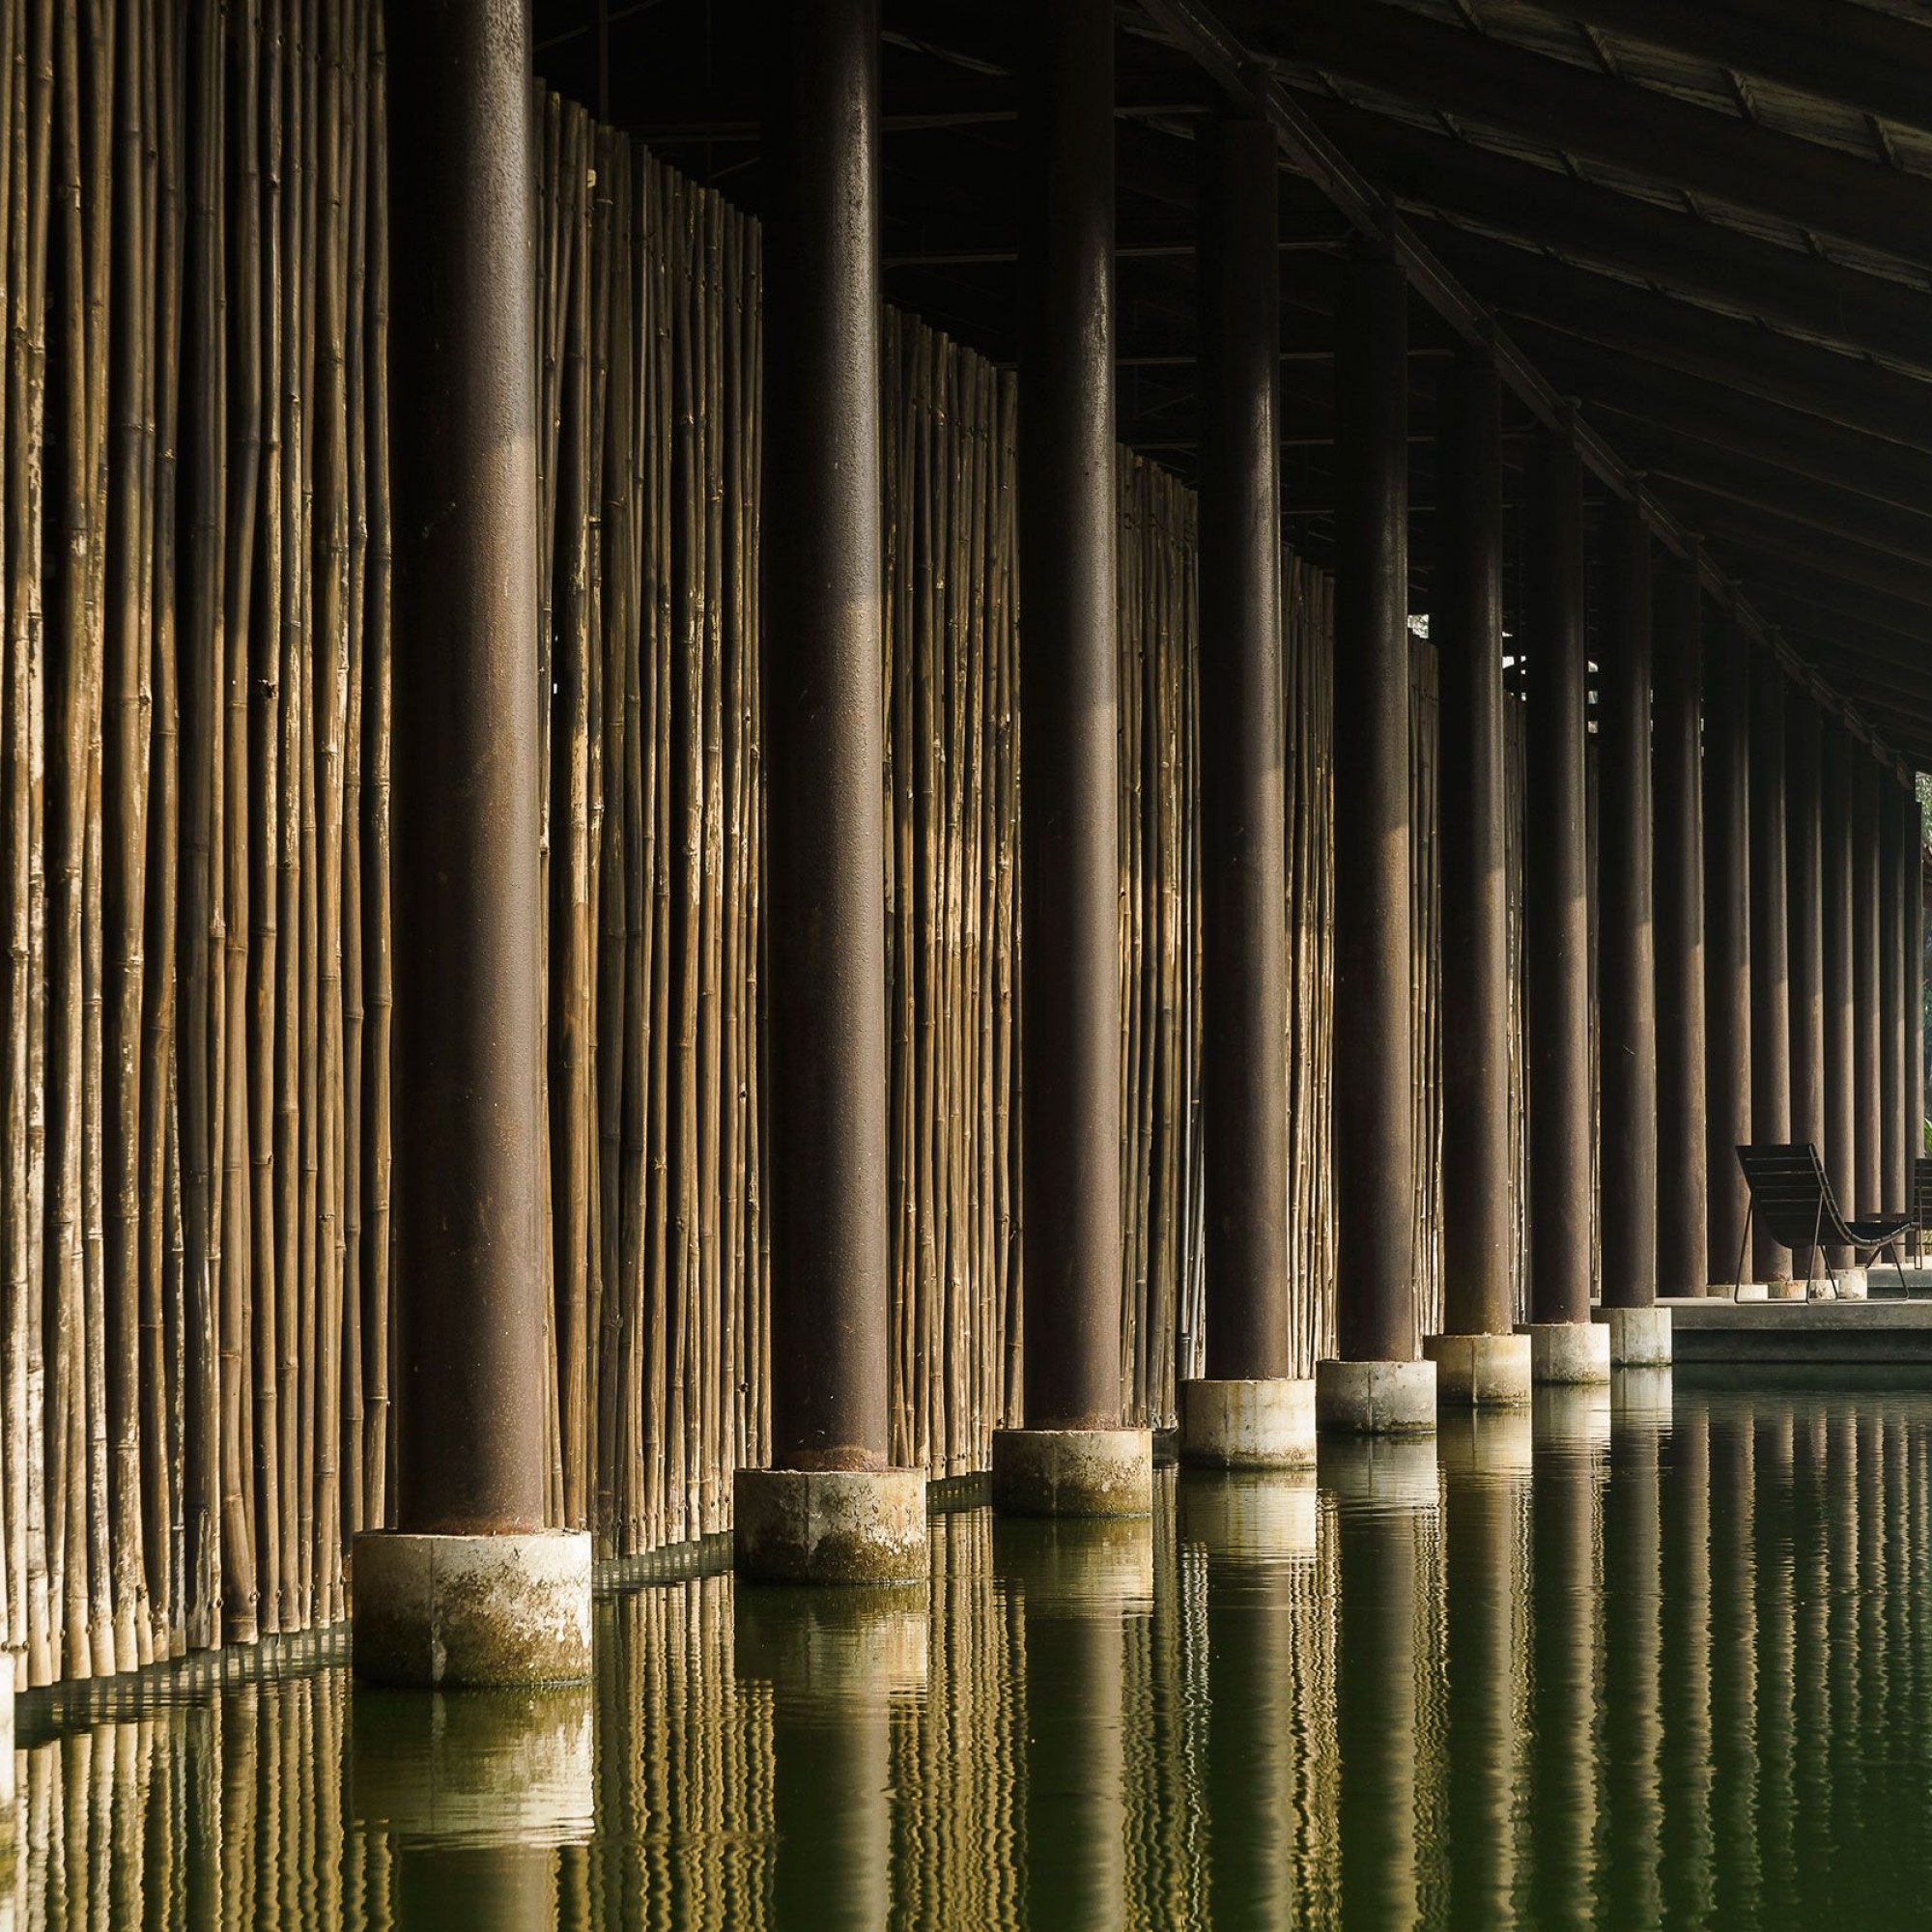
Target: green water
1673	1668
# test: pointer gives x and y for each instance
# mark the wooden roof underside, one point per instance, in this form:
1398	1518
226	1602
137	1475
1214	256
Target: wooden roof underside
1708	225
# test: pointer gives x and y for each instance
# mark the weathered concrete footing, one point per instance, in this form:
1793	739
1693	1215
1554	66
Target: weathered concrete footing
1073	1471
1639	1337
1750	1291
462	1611
1853	1284
1480	1370
1264	1516
1376	1398
829	1525
7	1792
1266	1423
1568	1351
490	1767
1784	1289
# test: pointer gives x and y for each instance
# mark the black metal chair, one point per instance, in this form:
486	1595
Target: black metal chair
1791	1191
1921	1200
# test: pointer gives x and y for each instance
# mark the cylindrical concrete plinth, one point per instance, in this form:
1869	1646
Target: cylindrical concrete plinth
1376	1398
1852	1285
1480	1370
456	1611
1750	1291
1073	1471
1784	1289
829	1525
1262	1424
1824	1289
1639	1337
7	1820
1568	1351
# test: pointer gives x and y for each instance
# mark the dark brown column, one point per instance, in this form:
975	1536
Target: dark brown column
1069	822
1770	972
1373	1147
823	748
1836	928
1465	624
1626	963
470	1273
1677	734
1243	839
1805	928
1556	910
1868	1031
1915	990
1727	1068
1891	992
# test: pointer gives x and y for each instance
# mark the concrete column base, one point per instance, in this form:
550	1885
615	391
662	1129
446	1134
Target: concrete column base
460	1612
6	1791
1824	1289
1568	1351
1264	1424
1073	1471
490	1767
1750	1291
829	1525
1639	1337
1852	1285
1480	1370
1784	1289
1376	1398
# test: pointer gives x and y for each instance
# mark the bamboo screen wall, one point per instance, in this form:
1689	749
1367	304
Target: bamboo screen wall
194	1207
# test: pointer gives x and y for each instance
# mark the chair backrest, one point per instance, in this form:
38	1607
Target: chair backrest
1791	1193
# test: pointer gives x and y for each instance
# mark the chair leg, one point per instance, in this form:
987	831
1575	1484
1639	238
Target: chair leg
1744	1246
1899	1271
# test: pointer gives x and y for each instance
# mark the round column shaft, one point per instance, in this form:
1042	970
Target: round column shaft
1243	837
1835	935
1375	1160
1078	1460
1892	994
1868	1031
1727	1089
472	1590
1679	835
1627	979
831	1509
1805	928
1915	993
1556	921
1770	968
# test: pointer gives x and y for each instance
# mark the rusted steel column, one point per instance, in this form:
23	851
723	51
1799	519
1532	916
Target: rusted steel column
1557	912
1915	988
1626	963
1839	1145
1891	992
1770	966
1243	839
1072	1454
1679	834
1805	950
1373	1151
1727	1079
824	736
1465	625
1868	1031
470	1275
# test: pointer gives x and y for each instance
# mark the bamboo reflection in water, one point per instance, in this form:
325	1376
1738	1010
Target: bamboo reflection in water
1387	1493
1486	1463
1262	1684
1572	1426
1075	1586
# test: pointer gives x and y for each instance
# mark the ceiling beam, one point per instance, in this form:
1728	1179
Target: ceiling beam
1701	259
1873	60
1579	111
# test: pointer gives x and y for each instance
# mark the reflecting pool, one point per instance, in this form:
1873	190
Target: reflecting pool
1639	1657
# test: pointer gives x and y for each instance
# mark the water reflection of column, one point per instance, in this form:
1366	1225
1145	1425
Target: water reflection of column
1773	1442
1260	1537
1733	1628
1077	1581
1640	1418
1685	1835
1386	1494
475	1792
835	1661
1571	1431
1811	1516
1486	1471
